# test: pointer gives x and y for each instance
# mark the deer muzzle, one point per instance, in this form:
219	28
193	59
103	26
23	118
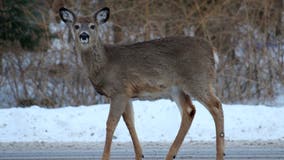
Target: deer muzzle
84	38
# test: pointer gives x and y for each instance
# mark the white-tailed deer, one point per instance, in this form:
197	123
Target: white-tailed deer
175	68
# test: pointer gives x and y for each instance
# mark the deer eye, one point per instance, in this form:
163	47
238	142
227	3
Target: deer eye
76	26
92	26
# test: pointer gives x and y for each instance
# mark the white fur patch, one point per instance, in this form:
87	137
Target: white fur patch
188	109
68	16
216	58
84	41
101	16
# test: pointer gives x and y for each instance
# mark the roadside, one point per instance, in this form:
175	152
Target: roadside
24	146
235	150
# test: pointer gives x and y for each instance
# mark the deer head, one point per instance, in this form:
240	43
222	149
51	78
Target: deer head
85	29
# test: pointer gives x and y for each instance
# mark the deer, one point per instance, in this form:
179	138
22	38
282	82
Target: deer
178	68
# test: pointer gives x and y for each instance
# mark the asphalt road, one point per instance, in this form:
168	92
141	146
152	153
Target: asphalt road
152	151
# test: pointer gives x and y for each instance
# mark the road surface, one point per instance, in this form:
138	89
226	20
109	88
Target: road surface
152	151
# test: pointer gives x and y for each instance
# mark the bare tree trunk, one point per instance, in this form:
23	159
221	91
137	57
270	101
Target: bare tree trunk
1	54
279	6
1	65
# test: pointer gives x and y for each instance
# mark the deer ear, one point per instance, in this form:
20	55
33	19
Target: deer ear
66	15
102	15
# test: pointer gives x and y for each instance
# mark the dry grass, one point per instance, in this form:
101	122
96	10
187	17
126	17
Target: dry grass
247	33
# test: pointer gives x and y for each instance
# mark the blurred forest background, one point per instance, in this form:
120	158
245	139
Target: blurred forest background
38	64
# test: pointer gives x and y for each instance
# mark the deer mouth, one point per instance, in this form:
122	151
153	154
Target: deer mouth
84	38
84	41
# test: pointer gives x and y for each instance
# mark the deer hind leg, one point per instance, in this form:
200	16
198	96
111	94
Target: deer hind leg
187	110
214	106
128	117
117	107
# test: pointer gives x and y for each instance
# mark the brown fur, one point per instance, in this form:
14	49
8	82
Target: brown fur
174	67
154	67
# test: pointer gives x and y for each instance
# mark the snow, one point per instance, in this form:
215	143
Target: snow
156	121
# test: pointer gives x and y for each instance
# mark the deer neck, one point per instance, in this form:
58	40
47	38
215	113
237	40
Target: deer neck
93	58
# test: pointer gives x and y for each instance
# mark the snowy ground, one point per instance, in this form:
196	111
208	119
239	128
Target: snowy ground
156	121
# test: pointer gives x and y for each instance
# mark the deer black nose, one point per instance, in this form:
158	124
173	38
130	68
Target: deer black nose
84	36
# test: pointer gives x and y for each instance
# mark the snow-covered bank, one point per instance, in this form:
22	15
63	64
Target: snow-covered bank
155	121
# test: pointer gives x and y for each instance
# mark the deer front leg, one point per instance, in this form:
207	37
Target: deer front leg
128	117
117	107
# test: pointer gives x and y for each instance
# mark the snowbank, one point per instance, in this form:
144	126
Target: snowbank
155	121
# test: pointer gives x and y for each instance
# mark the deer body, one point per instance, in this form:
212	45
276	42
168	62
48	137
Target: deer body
149	70
174	67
